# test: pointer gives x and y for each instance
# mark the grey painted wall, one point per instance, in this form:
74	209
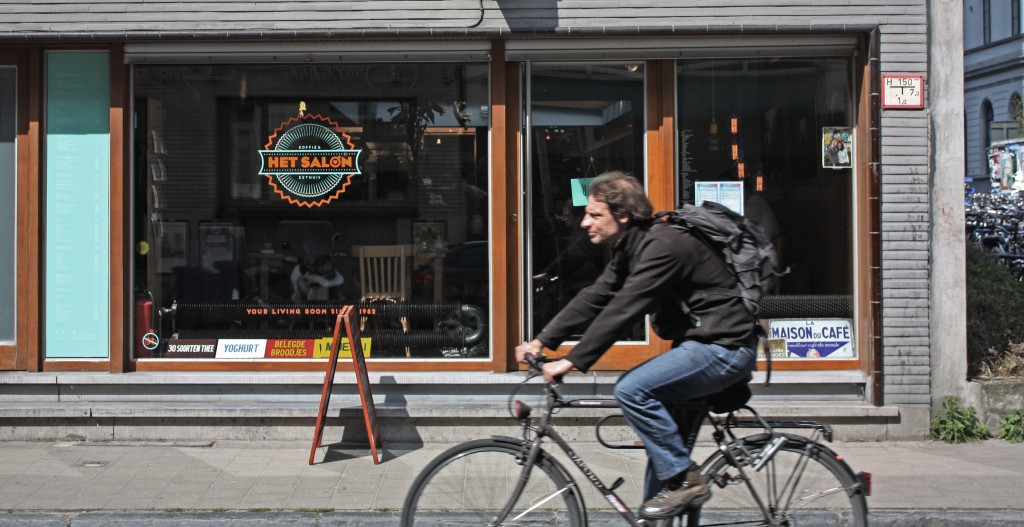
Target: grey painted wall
899	17
914	145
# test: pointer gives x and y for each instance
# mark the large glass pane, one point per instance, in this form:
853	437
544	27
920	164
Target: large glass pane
585	119
782	108
267	196
779	132
8	171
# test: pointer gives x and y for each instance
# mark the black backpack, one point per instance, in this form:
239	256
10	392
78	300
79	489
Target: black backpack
746	250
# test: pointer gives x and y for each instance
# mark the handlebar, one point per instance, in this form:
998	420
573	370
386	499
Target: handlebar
536	361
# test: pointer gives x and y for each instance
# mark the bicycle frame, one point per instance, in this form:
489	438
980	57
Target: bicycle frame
544	429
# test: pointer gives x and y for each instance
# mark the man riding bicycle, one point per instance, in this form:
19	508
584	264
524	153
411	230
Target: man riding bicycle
655	270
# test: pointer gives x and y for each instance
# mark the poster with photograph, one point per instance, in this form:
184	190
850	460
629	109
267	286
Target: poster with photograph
836	147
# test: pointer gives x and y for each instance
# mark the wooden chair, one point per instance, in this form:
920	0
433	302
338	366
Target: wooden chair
385	275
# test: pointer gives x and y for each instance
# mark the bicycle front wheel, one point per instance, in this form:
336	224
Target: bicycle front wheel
470	484
804	483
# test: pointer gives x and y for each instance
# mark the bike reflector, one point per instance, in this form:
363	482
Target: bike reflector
865	482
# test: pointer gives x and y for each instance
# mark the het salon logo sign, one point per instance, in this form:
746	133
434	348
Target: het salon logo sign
308	160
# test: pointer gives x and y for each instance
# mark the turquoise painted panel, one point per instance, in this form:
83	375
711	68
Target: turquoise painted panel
77	181
8	204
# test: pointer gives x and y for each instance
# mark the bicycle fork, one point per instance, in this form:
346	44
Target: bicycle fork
527	463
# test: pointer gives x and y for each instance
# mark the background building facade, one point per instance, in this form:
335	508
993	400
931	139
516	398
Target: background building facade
993	81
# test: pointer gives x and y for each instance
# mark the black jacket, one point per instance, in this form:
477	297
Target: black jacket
650	271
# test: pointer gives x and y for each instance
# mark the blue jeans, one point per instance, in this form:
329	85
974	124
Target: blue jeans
688	371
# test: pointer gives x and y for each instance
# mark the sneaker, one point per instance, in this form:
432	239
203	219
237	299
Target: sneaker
676	496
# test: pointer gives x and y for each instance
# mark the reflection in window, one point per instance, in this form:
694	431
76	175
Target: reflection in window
234	260
585	119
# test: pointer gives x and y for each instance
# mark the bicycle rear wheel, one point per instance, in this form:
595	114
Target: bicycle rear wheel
804	483
470	484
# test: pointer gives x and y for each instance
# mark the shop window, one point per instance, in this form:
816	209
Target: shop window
1015	17
255	185
774	140
986	21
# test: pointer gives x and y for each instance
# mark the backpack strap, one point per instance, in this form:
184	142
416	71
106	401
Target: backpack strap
762	347
683	305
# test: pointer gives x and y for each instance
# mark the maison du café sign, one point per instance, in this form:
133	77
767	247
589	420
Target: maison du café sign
309	160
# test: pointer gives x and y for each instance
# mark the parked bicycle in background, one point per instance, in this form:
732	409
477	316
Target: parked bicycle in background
994	222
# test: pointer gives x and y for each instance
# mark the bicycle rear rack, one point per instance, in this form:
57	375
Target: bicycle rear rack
730	422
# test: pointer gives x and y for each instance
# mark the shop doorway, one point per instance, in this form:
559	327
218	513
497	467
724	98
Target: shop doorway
14	289
582	120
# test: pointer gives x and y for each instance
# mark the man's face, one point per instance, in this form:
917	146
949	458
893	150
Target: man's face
601	225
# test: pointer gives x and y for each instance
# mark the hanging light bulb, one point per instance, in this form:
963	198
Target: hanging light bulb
760	183
741	170
438	140
735	151
734	124
714	144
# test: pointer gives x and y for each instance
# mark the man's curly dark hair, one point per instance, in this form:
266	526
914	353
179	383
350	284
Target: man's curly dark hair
623	194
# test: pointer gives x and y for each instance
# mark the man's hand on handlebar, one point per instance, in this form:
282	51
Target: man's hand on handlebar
552	371
534	347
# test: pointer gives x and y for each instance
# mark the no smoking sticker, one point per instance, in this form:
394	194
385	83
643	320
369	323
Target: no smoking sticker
150	341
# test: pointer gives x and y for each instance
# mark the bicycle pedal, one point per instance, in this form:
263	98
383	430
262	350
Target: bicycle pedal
617	483
723	480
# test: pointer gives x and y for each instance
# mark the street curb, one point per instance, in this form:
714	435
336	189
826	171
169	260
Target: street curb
957	518
884	518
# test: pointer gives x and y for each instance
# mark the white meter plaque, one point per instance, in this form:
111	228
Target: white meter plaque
902	91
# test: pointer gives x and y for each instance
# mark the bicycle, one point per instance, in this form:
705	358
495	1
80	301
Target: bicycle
769	478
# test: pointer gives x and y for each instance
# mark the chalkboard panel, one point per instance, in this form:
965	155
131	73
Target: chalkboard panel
347	320
362	381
